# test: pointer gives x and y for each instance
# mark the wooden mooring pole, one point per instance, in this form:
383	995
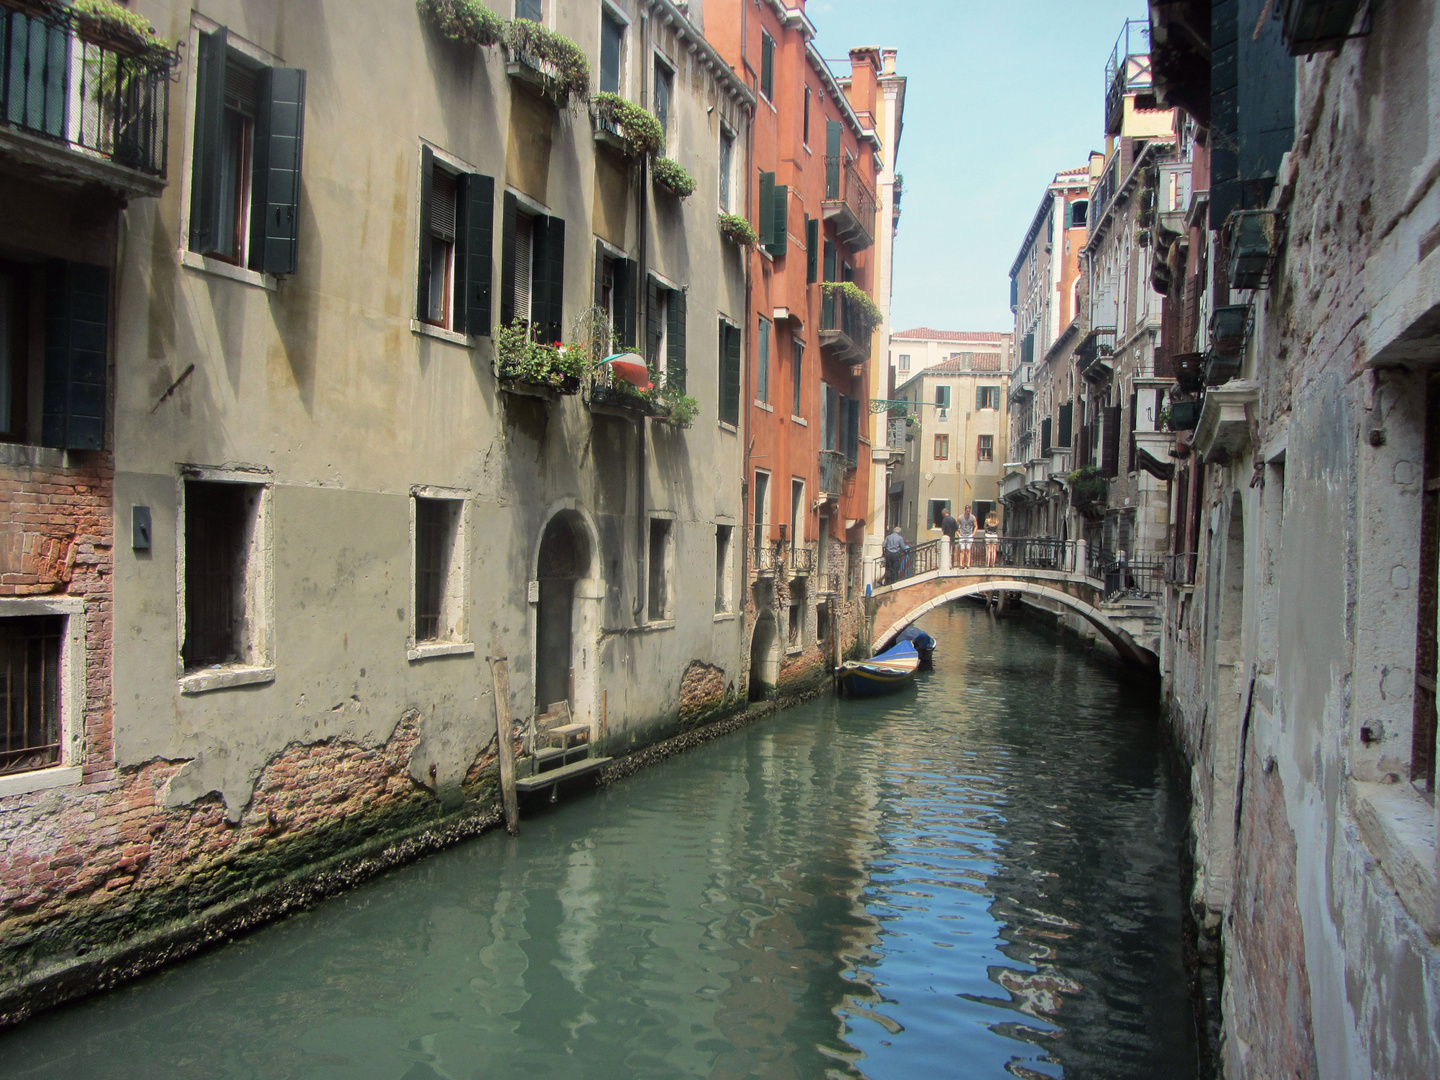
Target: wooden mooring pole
505	742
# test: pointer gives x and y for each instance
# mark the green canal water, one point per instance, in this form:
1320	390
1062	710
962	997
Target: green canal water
975	878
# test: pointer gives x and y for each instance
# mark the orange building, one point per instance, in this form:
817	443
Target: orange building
811	196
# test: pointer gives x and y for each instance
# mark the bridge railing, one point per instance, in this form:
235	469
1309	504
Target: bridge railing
981	553
1135	577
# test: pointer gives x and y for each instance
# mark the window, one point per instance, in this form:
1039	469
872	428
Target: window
942	447
987	397
829	416
797	614
761	508
664	91
53	384
904	363
985	448
457	212
528	9
612	50
805	122
722	568
797	514
797	367
774	223
245	174
660	569
665	333
532	272
762	378
942	397
937	511
1076	213
730	371
439	545
30	731
727	166
225	592
767	66
616	291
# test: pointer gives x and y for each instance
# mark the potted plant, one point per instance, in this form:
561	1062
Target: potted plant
467	21
554	64
671	176
737	230
627	126
1087	486
1182	415
675	407
107	23
520	359
862	307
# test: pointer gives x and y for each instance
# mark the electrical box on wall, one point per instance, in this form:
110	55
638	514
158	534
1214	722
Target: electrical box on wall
140	528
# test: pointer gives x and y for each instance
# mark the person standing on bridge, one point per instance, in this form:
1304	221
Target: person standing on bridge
992	539
967	538
895	549
949	527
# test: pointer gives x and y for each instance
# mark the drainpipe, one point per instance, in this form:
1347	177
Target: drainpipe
641	316
744	418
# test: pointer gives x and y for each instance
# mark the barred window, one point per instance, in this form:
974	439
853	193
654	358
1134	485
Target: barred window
30	692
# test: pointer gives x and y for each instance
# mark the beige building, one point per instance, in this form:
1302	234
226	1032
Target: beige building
955	442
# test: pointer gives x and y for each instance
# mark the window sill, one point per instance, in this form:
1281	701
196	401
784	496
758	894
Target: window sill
222	678
427	649
794	650
219	268
1398	826
799	420
764	405
31	455
659	624
40	780
439	333
725	616
723	426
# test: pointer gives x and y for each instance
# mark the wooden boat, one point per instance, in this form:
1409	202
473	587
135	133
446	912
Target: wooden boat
883	673
924	645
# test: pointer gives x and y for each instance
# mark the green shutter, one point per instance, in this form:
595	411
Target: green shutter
77	309
767	206
279	139
626	286
832	262
422	275
652	322
780	221
729	373
475	253
832	159
510	210
37	56
548	306
1067	412
675	341
812	249
599	274
767	65
209	129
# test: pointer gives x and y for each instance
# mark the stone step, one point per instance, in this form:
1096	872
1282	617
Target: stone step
541	781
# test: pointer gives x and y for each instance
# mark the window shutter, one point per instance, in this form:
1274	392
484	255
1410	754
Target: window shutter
422	277
1066	418
209	128
852	429
626	287
832	267
1110	441
1134	421
780	221
38	72
599	274
554	309
1045	436
279	136
729	373
539	276
509	214
767	65
652	323
475	253
832	159
767	206
76	316
675	341
829	407
812	249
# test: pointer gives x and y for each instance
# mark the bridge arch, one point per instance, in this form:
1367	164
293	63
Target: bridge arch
1117	636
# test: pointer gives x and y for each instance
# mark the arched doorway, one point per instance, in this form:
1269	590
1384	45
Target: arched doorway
563	561
764	671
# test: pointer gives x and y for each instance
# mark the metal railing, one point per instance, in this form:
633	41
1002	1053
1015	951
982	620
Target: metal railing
1128	577
843	184
60	81
839	312
1002	552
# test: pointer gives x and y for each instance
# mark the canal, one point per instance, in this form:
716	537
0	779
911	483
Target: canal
975	878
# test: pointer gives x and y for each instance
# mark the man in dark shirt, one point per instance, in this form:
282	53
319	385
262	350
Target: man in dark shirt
949	527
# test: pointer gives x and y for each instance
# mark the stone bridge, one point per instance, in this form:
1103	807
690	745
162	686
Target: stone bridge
1130	623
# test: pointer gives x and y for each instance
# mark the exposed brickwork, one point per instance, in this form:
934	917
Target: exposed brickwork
703	690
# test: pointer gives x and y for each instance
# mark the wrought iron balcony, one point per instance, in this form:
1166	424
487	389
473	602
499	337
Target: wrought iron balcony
81	105
832	472
1127	71
1311	26
849	204
1097	351
844	330
1255	240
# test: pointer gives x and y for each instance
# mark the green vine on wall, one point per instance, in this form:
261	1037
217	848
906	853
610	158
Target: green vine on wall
466	21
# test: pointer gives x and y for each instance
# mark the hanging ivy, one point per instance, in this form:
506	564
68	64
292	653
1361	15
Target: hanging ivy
671	175
105	20
640	130
542	48
737	229
466	21
870	315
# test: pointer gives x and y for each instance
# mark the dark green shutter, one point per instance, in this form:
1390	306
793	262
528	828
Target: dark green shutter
279	139
767	65
832	159
767	206
509	212
547	278
475	253
780	221
37	56
1110	441
599	274
209	130
812	249
77	308
1266	102
422	276
1224	111
1067	412
652	323
729	374
625	287
852	429
675	341
832	267
1045	436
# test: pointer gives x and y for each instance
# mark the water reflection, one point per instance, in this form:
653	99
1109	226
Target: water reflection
977	878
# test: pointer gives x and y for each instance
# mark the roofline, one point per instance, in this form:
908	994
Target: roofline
723	73
1044	209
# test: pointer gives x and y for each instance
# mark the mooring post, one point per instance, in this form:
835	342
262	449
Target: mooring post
505	742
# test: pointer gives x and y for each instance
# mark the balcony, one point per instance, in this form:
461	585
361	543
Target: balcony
1096	353
1022	382
80	105
1229	327
849	204
1127	72
844	327
832	472
1255	240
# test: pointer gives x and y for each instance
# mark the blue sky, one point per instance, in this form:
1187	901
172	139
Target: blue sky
1001	96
